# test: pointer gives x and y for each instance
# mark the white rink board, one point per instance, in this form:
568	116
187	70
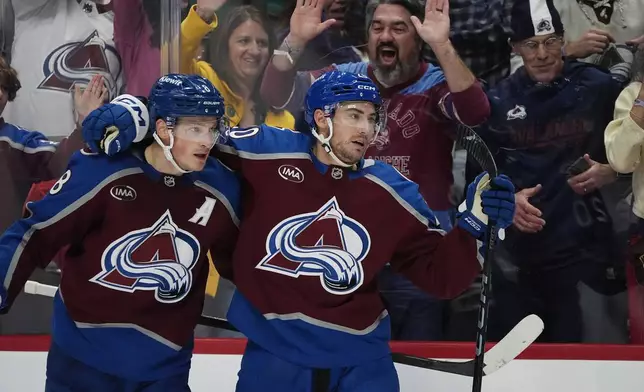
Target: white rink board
25	372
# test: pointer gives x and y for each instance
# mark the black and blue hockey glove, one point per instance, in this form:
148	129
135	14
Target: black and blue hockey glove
115	126
487	200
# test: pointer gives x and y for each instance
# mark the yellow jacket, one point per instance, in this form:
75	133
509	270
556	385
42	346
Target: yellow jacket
624	140
193	30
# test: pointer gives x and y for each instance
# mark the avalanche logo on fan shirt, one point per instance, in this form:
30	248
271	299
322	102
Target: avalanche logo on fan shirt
325	243
518	113
78	62
159	258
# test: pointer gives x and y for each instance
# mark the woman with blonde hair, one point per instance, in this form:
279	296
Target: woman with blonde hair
239	51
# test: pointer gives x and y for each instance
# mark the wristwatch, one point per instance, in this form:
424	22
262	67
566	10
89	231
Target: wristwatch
638	102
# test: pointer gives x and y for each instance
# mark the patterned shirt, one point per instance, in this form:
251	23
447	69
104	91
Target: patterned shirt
479	31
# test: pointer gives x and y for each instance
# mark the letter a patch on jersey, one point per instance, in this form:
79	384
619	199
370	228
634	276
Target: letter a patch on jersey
203	213
324	243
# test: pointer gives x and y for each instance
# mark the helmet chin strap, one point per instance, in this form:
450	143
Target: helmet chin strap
167	151
326	144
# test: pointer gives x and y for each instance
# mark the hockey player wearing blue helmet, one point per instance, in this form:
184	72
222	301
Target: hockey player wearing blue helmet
138	226
323	221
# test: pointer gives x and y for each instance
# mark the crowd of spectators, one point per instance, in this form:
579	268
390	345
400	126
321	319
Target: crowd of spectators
580	87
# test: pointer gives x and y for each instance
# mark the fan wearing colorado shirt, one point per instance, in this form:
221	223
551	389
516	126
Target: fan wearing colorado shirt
60	45
311	244
547	124
138	227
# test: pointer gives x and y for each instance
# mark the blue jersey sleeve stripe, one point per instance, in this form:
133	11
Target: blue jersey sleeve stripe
222	198
57	216
264	140
263	156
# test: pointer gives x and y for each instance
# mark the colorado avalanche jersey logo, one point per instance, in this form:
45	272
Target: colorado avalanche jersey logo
159	258
325	243
78	62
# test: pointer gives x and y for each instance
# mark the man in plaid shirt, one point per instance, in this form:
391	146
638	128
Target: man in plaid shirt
479	32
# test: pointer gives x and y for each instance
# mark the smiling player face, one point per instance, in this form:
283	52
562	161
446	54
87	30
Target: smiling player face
194	137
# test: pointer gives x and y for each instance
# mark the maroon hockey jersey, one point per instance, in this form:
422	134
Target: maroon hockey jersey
312	240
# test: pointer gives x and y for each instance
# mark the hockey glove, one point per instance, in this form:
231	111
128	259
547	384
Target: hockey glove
115	126
483	202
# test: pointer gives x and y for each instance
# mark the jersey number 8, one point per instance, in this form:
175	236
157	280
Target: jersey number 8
61	181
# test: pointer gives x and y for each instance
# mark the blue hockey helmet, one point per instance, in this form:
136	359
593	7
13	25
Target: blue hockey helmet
335	87
176	95
332	89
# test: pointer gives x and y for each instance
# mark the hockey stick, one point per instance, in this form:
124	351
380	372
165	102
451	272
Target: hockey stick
513	344
475	147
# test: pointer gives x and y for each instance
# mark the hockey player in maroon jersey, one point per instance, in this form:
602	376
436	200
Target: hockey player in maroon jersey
320	222
423	102
138	226
306	295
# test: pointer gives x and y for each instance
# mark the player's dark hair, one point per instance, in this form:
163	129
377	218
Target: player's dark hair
9	79
218	49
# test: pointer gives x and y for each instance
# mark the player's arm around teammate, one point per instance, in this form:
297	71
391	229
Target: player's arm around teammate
139	226
329	280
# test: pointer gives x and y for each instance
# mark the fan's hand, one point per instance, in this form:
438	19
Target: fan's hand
434	29
306	22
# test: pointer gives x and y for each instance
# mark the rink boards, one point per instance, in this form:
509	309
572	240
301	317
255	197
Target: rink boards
551	368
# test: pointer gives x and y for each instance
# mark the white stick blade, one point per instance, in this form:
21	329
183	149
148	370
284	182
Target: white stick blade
513	344
36	288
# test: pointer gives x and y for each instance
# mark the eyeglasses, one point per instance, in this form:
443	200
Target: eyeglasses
552	44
